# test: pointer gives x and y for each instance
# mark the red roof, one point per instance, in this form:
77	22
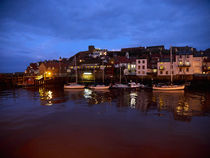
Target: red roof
120	59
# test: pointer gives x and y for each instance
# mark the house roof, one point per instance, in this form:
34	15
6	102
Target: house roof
184	53
120	59
165	60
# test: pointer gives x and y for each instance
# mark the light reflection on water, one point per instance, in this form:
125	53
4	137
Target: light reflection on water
44	122
182	104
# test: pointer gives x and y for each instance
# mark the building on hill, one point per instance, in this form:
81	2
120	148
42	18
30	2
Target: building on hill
115	53
53	69
182	49
160	48
133	51
206	65
32	69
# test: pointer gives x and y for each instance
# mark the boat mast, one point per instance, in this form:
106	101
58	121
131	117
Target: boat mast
120	73
171	65
103	72
76	69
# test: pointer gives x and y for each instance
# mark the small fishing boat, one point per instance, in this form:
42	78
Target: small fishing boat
134	85
171	86
119	85
168	87
99	87
73	86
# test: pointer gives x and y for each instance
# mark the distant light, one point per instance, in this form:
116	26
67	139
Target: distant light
87	73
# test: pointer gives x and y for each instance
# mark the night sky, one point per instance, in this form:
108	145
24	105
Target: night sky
36	30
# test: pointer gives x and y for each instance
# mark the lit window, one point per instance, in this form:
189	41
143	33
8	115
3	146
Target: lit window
139	67
143	72
161	67
154	70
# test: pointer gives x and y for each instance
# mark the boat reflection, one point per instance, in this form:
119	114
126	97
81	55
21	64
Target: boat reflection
51	96
98	96
182	104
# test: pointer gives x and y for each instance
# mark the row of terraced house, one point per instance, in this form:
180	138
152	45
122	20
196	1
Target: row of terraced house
137	61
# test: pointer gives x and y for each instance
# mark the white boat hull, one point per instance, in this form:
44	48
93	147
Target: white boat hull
74	86
168	88
99	87
120	86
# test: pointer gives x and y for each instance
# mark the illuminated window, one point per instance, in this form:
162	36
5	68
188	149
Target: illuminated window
161	67
139	72
133	66
154	70
139	67
143	72
187	63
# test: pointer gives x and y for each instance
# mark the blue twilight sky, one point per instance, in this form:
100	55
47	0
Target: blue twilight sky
35	30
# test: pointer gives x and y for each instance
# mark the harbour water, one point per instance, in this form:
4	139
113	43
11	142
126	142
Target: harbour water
58	123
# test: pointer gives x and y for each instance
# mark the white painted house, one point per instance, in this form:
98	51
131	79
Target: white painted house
141	67
184	63
164	67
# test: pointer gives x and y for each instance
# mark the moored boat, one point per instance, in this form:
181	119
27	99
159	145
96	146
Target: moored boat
120	86
73	86
134	85
168	87
99	87
171	86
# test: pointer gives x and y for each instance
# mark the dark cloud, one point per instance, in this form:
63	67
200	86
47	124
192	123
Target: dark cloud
43	26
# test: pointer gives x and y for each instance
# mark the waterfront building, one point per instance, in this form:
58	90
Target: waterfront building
32	69
141	67
53	68
164	67
184	63
206	65
197	64
160	48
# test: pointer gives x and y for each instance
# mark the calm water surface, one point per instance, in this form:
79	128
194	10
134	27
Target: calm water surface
58	123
